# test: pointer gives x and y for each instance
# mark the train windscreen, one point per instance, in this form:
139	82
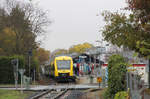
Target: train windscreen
63	64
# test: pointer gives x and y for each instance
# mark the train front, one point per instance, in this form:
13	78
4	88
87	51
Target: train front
64	69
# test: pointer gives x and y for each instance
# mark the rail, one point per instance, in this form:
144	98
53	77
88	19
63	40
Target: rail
40	94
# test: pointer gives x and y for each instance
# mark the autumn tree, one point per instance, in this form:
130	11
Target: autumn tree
80	48
42	55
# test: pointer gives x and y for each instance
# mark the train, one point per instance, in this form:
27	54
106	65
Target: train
61	69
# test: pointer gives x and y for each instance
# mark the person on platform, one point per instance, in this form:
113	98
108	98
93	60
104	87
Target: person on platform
84	68
75	68
81	69
78	66
92	68
89	68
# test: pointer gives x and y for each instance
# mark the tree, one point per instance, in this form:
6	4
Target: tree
7	42
141	9
25	21
123	30
20	25
131	31
80	48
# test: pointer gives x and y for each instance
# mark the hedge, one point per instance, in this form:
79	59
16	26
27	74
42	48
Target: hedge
6	68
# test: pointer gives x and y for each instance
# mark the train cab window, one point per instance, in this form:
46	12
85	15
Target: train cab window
63	64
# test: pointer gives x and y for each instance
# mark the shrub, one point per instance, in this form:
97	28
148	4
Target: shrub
121	95
116	76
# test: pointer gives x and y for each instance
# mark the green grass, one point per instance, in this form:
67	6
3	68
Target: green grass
12	94
7	85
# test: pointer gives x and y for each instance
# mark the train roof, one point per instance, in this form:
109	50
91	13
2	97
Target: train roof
63	57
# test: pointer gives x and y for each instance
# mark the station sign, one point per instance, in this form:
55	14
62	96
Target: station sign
99	79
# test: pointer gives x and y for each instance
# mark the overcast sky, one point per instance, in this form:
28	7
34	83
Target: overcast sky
75	21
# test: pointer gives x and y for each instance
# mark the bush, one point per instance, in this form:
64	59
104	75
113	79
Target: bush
116	76
121	95
6	68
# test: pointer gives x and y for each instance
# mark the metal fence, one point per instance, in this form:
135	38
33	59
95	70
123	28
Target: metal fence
136	85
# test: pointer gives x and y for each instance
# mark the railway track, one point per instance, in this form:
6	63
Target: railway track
49	94
52	94
65	92
73	94
57	93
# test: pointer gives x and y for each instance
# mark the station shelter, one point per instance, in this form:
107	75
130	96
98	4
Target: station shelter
85	64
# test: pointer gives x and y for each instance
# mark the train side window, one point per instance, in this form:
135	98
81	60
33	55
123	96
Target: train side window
53	67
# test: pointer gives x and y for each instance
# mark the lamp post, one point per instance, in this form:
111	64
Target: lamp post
34	76
100	46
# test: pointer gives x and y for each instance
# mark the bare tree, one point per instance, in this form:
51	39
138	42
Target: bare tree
27	21
37	17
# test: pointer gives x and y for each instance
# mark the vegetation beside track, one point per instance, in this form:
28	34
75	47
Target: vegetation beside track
12	94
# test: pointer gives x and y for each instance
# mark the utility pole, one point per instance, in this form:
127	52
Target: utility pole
99	53
29	54
29	66
149	73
